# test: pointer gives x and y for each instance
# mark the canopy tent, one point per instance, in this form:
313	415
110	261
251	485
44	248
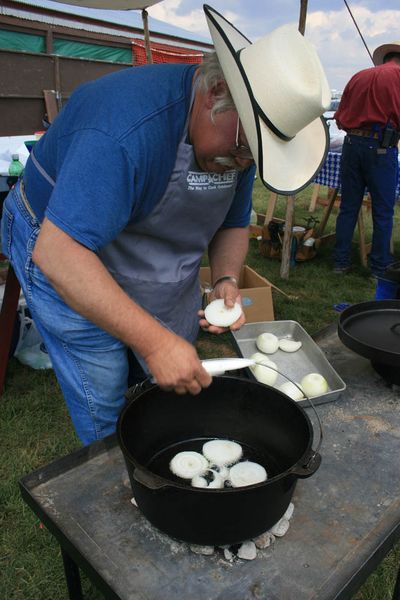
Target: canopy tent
121	5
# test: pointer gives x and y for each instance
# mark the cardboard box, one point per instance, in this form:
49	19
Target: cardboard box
256	292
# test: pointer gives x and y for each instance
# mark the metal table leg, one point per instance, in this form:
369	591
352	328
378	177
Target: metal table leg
8	313
72	576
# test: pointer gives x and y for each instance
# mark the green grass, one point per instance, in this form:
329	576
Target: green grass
35	427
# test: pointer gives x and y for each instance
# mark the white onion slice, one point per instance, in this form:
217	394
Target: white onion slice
267	342
247	473
291	390
217	313
289	345
188	464
217	482
263	374
260	358
314	384
199	482
222	452
223	472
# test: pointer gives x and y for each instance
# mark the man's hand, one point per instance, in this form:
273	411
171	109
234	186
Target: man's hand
229	291
176	366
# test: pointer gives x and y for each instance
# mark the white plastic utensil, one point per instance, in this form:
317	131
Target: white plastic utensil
218	366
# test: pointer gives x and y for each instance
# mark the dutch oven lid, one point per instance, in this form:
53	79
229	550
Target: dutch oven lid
372	329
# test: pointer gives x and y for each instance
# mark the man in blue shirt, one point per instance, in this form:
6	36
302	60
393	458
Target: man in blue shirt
141	173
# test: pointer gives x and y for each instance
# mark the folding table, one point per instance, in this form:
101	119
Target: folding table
346	517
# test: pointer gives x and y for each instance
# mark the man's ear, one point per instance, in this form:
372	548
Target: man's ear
215	92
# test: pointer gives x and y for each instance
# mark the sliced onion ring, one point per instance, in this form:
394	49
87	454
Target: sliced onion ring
188	464
217	482
199	481
222	452
217	313
247	473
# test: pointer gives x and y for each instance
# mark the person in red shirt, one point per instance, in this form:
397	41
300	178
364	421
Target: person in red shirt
369	112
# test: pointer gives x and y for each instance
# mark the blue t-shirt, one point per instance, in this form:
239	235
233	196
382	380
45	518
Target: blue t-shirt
111	152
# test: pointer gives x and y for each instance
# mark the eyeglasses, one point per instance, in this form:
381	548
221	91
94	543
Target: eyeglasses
240	150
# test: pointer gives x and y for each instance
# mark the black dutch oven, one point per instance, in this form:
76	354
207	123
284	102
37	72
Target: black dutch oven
372	330
272	429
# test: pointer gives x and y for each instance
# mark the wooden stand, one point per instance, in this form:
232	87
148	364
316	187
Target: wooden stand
332	200
51	101
287	237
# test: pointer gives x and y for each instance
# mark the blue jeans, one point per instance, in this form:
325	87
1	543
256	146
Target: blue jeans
364	165
91	366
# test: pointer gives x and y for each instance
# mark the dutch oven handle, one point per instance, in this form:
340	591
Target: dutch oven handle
312	460
135	391
148	480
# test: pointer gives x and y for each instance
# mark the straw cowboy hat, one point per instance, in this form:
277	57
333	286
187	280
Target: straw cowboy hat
381	51
280	91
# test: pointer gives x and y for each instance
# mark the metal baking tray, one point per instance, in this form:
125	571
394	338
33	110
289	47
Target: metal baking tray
308	359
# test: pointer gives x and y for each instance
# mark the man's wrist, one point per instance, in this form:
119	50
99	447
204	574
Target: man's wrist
230	278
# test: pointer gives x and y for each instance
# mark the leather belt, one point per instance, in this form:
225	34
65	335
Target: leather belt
364	133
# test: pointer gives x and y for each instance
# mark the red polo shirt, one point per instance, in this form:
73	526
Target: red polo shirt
372	96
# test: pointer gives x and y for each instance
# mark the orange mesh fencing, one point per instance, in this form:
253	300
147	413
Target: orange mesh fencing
164	53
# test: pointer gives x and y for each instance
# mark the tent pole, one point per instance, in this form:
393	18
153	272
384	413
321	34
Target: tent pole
290	200
146	36
303	14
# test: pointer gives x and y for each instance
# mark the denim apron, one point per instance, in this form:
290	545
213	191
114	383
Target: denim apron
156	261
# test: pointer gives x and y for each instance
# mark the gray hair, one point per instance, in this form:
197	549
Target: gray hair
211	74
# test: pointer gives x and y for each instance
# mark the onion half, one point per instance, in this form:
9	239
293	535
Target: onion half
314	384
267	342
217	313
291	390
288	345
263	373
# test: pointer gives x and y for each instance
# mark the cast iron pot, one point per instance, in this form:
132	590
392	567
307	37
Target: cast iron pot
272	429
372	330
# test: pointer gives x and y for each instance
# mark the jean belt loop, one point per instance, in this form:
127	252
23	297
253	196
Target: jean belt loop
25	200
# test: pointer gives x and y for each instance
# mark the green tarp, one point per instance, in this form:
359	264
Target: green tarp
94	51
12	40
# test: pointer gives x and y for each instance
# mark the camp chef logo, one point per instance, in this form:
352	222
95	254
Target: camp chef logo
198	180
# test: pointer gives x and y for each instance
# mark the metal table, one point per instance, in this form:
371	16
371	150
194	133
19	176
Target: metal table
346	518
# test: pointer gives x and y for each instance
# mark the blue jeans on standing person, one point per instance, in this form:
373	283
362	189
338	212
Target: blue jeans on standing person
91	365
365	164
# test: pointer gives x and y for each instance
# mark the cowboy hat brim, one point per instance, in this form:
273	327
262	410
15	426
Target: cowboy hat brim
285	167
381	51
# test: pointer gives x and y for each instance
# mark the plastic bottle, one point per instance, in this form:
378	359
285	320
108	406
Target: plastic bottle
16	167
253	217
